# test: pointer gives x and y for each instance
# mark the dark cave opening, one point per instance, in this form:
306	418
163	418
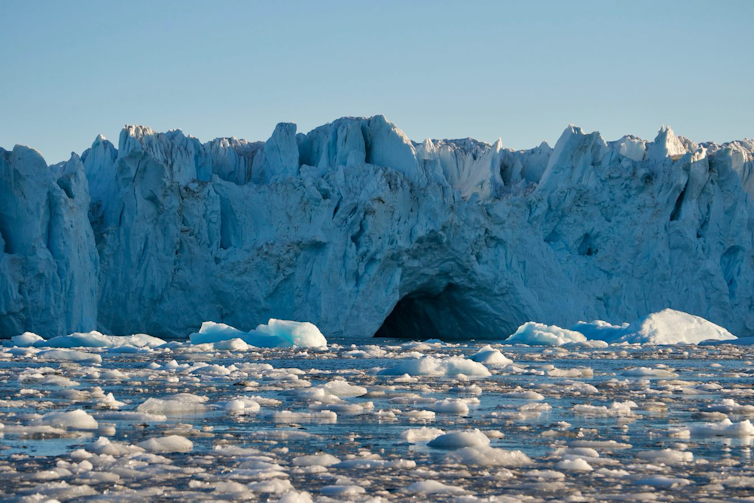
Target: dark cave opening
450	314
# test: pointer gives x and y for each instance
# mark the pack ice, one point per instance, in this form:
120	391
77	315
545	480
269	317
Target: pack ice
359	230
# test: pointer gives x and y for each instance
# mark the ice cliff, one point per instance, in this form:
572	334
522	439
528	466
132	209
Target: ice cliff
359	230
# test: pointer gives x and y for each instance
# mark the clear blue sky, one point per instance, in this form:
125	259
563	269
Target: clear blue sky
520	71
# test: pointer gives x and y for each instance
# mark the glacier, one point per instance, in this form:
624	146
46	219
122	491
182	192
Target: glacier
361	231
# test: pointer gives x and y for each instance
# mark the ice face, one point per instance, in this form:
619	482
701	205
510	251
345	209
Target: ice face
357	229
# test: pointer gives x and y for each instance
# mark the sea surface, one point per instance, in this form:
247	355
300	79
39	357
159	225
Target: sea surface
665	440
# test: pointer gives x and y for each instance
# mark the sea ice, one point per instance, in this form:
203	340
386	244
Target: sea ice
539	334
69	355
439	367
459	439
75	419
490	356
168	444
95	339
433	487
26	339
182	403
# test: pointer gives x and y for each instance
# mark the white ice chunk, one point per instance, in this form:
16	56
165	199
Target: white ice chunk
95	339
26	339
490	356
484	455
168	444
666	456
539	334
421	435
182	403
574	464
439	367
433	487
75	419
319	459
69	356
275	334
459	439
725	428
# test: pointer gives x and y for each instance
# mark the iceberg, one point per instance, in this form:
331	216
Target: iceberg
438	367
25	340
361	231
539	334
275	334
490	356
665	327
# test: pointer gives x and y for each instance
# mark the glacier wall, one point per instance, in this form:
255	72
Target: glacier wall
359	230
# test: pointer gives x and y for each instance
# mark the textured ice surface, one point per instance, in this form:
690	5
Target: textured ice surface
192	422
359	230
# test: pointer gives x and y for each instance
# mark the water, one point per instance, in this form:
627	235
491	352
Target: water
703	376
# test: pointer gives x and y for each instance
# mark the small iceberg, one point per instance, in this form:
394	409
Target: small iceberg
539	334
275	334
665	327
438	367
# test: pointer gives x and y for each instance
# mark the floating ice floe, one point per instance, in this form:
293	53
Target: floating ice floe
575	465
439	367
459	439
275	334
75	419
237	345
319	459
730	406
421	435
168	444
69	355
95	339
649	372
539	334
26	339
616	409
433	487
484	455
725	428
296	497
240	405
490	356
180	404
668	457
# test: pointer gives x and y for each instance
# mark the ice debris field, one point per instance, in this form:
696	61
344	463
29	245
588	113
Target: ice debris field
656	409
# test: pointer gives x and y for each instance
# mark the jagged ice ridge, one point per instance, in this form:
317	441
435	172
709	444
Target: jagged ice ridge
359	230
